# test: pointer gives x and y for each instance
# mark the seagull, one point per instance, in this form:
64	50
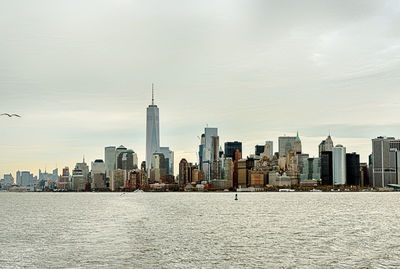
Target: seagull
10	115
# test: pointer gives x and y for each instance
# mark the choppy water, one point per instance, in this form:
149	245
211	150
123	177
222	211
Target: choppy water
199	230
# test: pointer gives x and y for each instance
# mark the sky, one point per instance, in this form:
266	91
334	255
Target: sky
80	74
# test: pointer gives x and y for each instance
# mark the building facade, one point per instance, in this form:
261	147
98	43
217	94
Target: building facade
152	131
339	165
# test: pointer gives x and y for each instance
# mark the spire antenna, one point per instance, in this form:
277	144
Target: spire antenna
152	94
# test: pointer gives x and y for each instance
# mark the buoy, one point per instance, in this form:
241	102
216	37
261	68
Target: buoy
236	196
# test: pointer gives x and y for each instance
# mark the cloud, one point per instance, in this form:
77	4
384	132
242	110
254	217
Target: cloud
80	74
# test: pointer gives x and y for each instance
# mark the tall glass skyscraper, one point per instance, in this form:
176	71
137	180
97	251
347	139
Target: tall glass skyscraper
152	131
339	165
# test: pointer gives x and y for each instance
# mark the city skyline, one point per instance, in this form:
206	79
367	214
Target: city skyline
256	71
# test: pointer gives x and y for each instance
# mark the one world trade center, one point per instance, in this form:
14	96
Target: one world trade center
152	131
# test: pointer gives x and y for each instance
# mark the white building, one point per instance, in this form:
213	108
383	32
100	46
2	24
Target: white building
98	167
339	165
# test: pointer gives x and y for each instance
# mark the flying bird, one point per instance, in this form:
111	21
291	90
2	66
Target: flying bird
10	115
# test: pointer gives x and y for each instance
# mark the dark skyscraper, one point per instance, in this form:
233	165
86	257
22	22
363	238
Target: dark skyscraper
326	168
353	169
231	147
259	149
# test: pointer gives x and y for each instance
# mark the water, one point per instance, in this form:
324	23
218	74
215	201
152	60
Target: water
199	230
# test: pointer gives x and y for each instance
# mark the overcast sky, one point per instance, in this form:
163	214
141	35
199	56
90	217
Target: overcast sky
80	73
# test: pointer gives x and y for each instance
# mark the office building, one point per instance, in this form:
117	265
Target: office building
326	168
297	144
110	159
210	147
152	131
158	170
78	180
185	176
117	179
269	149
326	145
169	160
339	165
286	143
63	180
230	149
383	166
259	149
127	160
84	168
353	171
98	174
25	178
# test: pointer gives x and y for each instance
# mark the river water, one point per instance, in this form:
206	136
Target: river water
199	230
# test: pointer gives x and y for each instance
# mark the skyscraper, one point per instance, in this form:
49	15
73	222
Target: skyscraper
269	149
169	159
152	131
325	145
231	147
285	143
326	168
339	165
259	149
210	148
158	170
383	169
110	160
297	144
353	171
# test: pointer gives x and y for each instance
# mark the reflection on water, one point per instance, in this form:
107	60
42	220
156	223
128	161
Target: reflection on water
199	230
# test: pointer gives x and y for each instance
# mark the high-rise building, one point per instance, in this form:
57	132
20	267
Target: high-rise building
158	170
25	178
326	168
297	144
353	171
184	173
364	175
269	149
78	180
231	147
339	165
110	160
169	159
117	179
201	149
259	149
8	179
286	143
84	168
315	168
210	146
152	131
18	178
63	180
118	151
325	145
127	160
383	166
302	161
98	174
238	156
